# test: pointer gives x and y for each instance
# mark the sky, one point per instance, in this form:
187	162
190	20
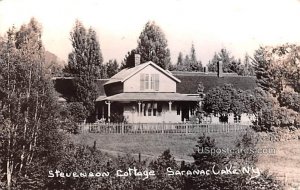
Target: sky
240	26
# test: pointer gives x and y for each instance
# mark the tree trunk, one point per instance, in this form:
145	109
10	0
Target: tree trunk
8	174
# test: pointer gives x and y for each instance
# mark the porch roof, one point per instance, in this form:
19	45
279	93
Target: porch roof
149	96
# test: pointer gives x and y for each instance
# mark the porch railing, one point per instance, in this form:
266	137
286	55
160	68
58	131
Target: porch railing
124	128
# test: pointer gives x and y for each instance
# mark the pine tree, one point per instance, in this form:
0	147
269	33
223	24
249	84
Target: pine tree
153	46
180	62
193	60
212	64
228	61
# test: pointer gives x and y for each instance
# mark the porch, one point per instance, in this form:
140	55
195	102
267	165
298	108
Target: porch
146	107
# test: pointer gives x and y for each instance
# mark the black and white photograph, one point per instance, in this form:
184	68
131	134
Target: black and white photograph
150	95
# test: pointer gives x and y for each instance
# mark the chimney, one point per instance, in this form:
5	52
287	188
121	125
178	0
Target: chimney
220	69
137	59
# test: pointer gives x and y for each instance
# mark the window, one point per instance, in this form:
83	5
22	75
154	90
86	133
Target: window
149	82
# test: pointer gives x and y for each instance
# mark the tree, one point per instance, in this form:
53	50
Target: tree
228	61
246	69
186	63
212	64
207	160
28	118
128	61
226	99
153	46
112	68
85	65
189	63
179	64
194	64
277	74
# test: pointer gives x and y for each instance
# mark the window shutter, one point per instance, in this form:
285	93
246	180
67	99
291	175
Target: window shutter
147	81
156	82
152	79
142	81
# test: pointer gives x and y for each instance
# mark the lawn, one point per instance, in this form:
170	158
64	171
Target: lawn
286	160
180	145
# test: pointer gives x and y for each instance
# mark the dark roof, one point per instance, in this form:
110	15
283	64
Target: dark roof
100	86
190	80
149	96
66	87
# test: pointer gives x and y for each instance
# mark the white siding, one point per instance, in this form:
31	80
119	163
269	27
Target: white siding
166	84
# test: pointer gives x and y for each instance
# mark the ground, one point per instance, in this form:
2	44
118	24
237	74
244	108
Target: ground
285	162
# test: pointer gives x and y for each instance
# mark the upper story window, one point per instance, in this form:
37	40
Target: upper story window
149	82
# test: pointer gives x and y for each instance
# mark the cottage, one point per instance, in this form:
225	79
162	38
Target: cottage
145	93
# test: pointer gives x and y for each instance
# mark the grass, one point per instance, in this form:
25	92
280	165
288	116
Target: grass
286	161
180	145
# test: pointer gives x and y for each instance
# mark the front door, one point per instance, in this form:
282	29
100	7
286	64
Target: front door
185	113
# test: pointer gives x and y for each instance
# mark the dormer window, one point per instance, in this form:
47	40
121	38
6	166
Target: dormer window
149	82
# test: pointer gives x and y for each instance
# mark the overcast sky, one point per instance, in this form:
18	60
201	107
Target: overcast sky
239	25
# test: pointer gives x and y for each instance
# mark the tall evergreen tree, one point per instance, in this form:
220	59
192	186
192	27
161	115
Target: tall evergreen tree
212	64
179	64
189	63
193	60
85	64
229	63
153	45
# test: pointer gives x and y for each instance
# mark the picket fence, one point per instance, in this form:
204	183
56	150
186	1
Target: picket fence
126	128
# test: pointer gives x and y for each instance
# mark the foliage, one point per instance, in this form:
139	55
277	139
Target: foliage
112	68
190	62
246	69
226	99
205	161
153	46
277	68
71	114
228	61
85	64
29	124
277	72
290	100
230	64
129	60
162	180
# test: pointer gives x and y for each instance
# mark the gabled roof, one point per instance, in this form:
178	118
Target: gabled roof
125	74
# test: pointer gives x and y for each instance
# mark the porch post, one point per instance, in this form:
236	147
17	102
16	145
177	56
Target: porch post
108	110
170	106
139	108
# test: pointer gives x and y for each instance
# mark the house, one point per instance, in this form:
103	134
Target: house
145	93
